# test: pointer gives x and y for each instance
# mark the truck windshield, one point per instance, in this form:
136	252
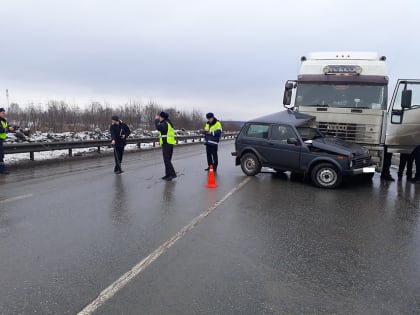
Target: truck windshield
332	94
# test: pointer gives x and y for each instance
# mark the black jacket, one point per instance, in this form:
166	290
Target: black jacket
119	130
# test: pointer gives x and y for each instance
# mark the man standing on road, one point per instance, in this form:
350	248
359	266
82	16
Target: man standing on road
386	173
167	142
212	131
4	129
416	155
406	159
119	133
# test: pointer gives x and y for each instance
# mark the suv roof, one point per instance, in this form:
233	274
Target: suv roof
286	117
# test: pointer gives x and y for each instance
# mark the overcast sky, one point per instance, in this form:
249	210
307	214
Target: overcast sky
231	57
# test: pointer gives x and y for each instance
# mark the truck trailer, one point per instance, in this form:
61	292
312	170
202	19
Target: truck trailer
347	92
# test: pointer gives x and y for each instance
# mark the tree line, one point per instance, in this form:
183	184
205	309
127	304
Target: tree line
59	116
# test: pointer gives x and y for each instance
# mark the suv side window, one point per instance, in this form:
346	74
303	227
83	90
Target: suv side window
282	133
257	131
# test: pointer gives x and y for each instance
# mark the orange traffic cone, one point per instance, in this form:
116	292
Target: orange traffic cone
211	182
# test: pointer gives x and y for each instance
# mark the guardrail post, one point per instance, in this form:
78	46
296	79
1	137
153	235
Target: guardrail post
32	156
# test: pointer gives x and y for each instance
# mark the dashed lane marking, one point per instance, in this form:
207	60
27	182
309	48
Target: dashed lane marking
3	201
111	290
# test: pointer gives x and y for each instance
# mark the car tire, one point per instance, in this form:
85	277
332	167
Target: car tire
326	175
250	164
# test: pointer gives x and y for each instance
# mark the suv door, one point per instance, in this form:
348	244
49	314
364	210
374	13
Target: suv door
254	135
279	153
403	129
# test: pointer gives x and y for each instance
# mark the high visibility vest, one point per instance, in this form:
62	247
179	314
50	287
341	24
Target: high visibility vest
3	135
210	137
170	136
216	126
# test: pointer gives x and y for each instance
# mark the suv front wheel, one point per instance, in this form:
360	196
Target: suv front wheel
326	175
250	164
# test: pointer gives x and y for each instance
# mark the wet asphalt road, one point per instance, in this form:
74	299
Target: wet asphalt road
275	246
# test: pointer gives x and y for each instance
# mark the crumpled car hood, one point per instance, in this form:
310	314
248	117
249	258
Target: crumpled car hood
339	146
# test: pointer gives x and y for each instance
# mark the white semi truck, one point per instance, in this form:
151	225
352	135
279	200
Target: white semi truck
347	92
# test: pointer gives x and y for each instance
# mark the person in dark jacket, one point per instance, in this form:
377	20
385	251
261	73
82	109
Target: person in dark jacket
4	129
167	142
119	133
212	132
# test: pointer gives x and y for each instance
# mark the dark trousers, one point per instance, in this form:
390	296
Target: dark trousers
387	163
3	169
416	156
1	151
406	159
118	156
167	151
212	158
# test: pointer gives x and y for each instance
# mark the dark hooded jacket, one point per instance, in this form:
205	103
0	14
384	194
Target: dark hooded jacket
119	130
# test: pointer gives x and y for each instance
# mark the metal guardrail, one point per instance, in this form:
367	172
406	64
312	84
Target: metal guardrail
32	147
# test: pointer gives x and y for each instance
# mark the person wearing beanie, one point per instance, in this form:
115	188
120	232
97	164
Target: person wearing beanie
4	129
119	133
167	142
212	132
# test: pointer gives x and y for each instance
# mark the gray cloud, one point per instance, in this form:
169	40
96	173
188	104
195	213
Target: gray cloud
230	56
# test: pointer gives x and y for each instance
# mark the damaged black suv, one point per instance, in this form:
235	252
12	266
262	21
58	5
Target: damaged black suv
289	141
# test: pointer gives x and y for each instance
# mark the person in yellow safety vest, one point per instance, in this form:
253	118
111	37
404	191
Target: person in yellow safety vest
212	131
167	142
4	129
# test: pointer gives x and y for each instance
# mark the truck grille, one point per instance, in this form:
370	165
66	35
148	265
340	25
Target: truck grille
360	162
358	133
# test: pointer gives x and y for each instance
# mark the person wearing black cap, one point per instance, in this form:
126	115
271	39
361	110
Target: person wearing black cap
167	142
4	129
212	132
119	133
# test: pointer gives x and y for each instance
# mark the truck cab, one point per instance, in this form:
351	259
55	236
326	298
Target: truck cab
347	92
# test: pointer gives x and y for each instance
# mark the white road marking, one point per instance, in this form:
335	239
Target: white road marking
111	290
15	198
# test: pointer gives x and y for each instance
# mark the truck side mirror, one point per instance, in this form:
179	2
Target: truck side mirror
406	98
287	97
288	90
289	85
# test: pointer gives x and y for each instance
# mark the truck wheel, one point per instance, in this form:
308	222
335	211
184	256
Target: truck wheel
326	175
250	164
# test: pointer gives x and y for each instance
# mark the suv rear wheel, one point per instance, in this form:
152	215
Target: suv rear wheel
250	164
326	175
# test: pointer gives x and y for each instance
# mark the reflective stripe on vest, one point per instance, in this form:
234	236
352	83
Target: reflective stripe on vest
3	135
170	136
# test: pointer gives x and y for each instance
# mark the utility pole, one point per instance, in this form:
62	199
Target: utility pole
7	98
